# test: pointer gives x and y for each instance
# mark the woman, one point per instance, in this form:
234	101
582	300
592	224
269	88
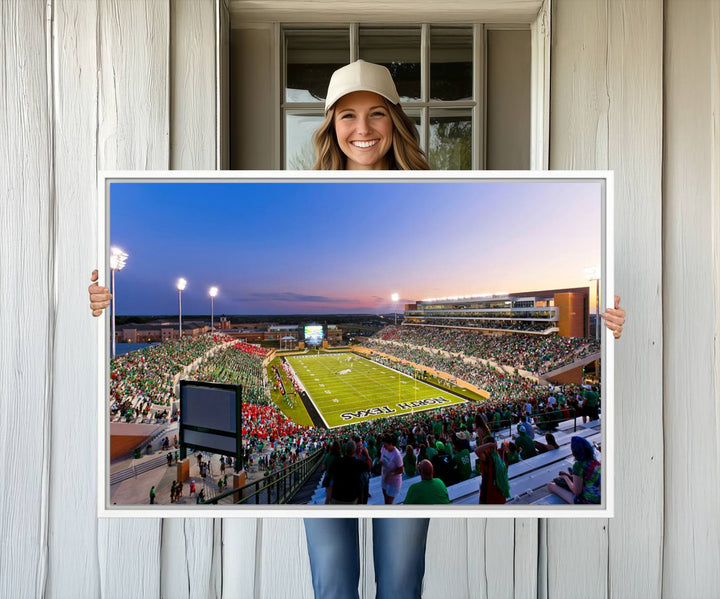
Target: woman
583	483
494	485
364	129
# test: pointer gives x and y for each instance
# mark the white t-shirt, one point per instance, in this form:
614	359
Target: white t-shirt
391	461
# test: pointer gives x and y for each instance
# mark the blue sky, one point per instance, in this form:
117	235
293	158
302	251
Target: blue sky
344	247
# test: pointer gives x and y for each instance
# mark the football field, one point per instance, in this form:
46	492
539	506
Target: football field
347	389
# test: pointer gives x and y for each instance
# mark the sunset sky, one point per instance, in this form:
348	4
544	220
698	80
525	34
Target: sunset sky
344	247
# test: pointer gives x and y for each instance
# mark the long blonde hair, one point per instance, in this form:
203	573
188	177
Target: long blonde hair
405	153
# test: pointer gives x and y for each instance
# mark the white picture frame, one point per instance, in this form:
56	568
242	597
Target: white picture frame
604	510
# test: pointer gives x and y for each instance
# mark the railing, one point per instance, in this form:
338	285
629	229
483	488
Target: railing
135	470
548	423
278	487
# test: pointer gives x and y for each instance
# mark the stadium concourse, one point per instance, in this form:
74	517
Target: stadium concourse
509	368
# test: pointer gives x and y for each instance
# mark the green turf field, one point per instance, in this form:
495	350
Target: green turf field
347	389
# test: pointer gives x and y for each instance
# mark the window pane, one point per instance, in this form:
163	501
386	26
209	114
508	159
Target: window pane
415	117
299	150
450	139
398	50
451	56
311	58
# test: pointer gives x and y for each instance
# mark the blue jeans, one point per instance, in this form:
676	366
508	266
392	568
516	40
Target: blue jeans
398	552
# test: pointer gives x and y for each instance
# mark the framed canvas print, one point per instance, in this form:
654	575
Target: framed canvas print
334	344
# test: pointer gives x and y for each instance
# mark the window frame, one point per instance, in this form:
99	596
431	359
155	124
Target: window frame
425	105
539	88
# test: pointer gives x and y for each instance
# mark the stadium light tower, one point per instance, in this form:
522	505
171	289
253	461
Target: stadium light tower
395	297
181	284
213	292
592	273
117	262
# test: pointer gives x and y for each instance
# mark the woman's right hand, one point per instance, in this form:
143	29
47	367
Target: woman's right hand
99	296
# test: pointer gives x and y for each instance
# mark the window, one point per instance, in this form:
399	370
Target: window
436	69
467	87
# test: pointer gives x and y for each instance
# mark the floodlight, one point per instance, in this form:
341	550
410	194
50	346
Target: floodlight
181	284
213	292
395	297
117	258
117	262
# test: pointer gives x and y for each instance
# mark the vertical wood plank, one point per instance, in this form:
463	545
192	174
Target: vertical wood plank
282	567
490	558
129	557
187	556
635	90
133	134
446	559
608	77
692	139
73	569
578	92
578	140
133	129
526	558
26	304
192	84
238	558
222	16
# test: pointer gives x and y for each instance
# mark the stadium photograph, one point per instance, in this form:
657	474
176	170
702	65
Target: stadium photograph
383	342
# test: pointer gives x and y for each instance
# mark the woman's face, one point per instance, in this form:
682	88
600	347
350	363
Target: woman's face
364	130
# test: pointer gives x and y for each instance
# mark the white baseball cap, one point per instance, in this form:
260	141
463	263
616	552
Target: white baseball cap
361	76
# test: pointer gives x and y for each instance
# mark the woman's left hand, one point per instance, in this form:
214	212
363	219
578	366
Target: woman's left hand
614	318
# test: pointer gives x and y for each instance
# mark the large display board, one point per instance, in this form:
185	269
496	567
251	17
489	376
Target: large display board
210	418
314	334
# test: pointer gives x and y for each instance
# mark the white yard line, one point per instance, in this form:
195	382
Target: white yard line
312	401
346	406
375	384
355	390
416	380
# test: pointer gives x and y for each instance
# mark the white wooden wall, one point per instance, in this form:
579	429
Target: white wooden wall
118	84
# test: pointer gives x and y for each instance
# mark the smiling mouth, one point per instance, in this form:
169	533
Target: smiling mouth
364	144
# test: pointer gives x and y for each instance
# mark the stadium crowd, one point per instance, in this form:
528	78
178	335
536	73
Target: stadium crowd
142	381
506	324
440	440
241	364
537	354
498	383
443	439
